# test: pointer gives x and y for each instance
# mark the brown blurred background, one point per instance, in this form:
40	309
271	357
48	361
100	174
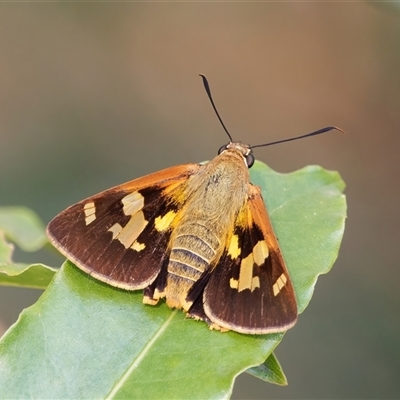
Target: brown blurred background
95	94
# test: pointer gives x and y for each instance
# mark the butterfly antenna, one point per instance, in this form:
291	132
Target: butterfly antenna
207	87
318	132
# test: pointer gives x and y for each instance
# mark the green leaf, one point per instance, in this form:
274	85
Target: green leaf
35	276
270	371
23	227
84	339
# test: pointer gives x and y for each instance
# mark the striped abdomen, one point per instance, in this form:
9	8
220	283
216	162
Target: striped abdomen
194	248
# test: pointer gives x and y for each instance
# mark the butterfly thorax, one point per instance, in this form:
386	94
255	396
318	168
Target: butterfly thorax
215	195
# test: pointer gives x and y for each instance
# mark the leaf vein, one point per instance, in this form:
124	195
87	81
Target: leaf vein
140	357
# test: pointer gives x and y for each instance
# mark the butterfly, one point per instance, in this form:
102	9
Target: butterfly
197	235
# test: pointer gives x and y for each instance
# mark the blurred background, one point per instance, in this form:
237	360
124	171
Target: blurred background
96	94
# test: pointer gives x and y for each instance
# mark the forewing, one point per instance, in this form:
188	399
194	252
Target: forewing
250	291
120	236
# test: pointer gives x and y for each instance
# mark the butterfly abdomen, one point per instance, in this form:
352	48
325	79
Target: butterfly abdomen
195	246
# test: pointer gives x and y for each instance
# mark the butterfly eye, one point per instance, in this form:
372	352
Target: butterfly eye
250	160
222	148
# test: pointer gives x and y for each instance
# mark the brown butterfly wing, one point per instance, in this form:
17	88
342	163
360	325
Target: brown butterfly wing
113	236
249	290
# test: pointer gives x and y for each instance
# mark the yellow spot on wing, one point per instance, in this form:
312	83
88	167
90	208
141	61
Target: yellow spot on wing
89	206
148	300
233	283
89	219
138	246
279	284
158	294
133	203
163	223
246	278
130	232
255	283
260	252
90	212
234	249
116	230
246	273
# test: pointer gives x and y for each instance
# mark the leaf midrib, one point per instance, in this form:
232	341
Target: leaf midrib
136	362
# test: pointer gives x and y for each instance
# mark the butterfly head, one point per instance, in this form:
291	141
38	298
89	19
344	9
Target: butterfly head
243	149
